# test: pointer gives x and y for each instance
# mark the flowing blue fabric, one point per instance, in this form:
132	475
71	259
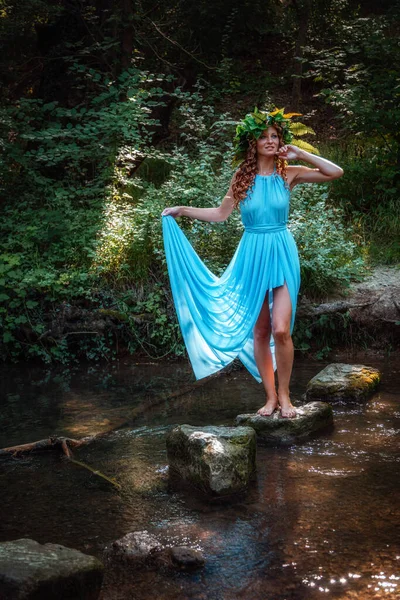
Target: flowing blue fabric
217	314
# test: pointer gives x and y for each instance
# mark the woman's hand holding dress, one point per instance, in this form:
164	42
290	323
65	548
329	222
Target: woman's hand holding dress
172	211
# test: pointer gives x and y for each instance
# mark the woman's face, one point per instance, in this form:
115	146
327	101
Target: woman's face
268	143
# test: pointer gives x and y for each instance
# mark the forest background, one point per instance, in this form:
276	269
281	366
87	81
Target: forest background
111	110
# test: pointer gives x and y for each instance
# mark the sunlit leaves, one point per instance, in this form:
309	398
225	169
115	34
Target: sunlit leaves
301	129
305	146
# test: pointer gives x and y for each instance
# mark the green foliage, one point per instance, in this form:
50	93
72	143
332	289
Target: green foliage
361	75
81	225
369	196
105	256
366	88
61	154
152	327
330	255
63	165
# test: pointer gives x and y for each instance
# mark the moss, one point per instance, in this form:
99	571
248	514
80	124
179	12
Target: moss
364	380
240	440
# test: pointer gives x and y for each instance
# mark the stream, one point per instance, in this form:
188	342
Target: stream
319	522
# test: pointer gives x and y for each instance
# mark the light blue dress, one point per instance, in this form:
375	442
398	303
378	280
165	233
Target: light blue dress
217	314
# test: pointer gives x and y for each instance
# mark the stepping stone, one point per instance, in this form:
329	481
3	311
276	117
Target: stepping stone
29	570
276	430
219	461
343	382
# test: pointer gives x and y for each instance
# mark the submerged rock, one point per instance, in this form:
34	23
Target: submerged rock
217	460
142	551
29	570
277	430
186	558
139	548
341	382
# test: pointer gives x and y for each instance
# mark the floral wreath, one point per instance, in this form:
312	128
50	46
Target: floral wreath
256	122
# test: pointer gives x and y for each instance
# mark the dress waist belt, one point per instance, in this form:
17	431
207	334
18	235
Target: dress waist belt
268	228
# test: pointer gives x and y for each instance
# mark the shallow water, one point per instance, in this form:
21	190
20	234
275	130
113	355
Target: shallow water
320	521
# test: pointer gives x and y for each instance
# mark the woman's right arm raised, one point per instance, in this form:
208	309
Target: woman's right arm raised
216	215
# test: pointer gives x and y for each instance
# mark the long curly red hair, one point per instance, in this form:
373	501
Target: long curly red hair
246	173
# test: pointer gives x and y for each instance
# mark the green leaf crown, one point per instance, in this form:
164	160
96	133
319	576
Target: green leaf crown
256	122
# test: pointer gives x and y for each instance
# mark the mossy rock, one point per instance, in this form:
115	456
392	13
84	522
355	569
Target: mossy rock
275	430
219	461
343	382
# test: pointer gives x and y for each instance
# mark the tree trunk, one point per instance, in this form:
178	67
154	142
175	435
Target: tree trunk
303	12
127	37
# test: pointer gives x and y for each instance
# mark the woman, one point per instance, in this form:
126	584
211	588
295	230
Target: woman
249	311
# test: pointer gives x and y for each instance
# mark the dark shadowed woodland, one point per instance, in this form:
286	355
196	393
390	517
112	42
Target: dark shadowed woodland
113	109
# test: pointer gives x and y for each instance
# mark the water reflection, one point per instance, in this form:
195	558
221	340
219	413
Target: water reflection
318	522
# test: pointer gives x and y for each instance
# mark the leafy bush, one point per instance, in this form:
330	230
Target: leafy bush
104	255
330	255
361	75
63	165
369	196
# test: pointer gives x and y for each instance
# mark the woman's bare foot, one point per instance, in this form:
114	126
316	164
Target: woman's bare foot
268	409
287	409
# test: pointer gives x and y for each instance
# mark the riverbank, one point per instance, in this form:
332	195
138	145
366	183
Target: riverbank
365	315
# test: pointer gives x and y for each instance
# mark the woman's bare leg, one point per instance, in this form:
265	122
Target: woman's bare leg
284	352
263	357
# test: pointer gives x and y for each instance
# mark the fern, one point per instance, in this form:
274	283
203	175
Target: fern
305	146
301	129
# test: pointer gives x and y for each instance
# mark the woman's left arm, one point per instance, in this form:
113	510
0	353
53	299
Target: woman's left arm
324	170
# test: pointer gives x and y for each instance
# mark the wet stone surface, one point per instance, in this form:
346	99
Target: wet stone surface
186	558
275	430
216	460
343	382
29	570
139	563
138	548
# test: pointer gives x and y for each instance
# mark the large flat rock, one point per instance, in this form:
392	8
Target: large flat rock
33	571
276	430
220	461
340	381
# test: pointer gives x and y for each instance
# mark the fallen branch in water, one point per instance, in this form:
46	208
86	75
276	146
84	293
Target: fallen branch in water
65	445
96	472
50	443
